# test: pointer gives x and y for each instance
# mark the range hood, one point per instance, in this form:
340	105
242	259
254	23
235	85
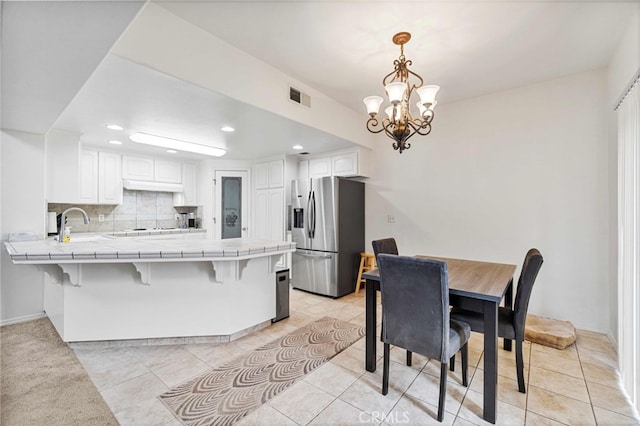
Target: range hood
142	185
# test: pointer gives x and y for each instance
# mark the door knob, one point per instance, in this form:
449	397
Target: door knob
244	228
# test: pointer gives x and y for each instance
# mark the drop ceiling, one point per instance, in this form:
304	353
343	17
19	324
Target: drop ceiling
342	49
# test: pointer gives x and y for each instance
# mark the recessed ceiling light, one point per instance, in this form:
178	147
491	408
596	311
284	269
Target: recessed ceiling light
114	142
297	147
227	129
147	139
114	127
171	151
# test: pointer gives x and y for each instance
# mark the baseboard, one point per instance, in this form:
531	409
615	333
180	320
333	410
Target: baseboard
22	319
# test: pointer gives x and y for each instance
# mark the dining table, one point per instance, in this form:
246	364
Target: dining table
474	285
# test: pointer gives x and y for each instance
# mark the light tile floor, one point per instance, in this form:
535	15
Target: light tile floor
578	385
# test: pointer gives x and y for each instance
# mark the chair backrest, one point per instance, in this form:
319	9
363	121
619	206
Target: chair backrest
386	245
415	304
532	263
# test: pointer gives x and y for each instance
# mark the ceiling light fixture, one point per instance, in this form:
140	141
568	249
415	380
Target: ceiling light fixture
147	139
399	124
114	127
297	147
114	142
227	129
172	151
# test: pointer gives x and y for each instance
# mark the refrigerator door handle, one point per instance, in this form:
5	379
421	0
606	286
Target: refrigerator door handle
313	208
308	225
318	256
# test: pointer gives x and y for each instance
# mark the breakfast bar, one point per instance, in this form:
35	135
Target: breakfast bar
103	288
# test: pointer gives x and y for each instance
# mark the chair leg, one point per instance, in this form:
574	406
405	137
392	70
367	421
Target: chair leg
520	366
409	358
464	351
385	370
443	390
452	363
359	280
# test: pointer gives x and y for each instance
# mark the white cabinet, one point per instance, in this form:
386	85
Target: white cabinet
89	177
269	214
137	168
167	171
345	164
269	174
109	178
100	178
63	166
189	194
320	167
148	169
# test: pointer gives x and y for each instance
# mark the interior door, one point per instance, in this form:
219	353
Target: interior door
232	203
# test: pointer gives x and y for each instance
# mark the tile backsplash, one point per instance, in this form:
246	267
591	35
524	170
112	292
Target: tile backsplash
139	209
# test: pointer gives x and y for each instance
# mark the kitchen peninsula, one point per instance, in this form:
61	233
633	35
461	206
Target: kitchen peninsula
105	288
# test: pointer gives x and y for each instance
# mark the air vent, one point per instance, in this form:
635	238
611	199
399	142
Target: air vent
299	97
304	153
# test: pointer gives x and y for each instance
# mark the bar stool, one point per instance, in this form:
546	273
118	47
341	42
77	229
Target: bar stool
367	262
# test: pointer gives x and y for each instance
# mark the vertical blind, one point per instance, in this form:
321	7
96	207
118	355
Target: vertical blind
629	241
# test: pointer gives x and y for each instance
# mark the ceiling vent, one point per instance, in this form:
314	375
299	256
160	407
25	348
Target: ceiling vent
298	97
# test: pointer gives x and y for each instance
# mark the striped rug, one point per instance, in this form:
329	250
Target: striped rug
228	393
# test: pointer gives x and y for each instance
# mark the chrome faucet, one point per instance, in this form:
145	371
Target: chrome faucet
63	219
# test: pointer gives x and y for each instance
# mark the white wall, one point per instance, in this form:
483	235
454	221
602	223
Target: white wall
503	173
23	210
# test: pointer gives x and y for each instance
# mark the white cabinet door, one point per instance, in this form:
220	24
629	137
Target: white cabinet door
261	231
276	214
189	196
320	167
88	177
276	174
137	168
167	171
303	170
109	178
262	175
345	164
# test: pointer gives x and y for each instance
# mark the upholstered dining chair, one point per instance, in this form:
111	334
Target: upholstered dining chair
388	246
511	322
415	315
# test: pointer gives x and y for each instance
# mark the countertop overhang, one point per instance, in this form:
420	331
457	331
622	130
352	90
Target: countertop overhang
105	249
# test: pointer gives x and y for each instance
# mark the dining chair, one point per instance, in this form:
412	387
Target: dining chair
388	246
415	315
511	322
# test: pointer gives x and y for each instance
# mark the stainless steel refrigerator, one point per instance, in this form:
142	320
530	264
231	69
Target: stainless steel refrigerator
327	225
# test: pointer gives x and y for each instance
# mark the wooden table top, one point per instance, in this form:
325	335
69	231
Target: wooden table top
480	280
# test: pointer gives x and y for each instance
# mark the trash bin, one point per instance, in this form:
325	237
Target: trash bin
282	295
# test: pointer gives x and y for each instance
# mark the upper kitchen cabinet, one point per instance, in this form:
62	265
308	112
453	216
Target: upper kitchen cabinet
100	178
148	169
347	163
189	195
269	174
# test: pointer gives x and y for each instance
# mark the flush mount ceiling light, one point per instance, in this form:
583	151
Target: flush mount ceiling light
114	127
400	84
176	144
227	129
114	142
297	147
172	151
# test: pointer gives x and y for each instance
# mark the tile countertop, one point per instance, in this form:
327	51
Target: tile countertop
110	249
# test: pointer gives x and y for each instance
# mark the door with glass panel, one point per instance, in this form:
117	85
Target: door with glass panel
231	203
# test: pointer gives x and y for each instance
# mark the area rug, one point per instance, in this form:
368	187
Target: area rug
228	393
43	383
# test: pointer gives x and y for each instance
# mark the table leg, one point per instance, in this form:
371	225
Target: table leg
370	326
508	303
490	360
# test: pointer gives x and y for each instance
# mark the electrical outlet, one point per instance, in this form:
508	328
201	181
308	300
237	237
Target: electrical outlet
100	218
391	218
177	216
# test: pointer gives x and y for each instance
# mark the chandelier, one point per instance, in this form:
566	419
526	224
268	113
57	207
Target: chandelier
400	123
